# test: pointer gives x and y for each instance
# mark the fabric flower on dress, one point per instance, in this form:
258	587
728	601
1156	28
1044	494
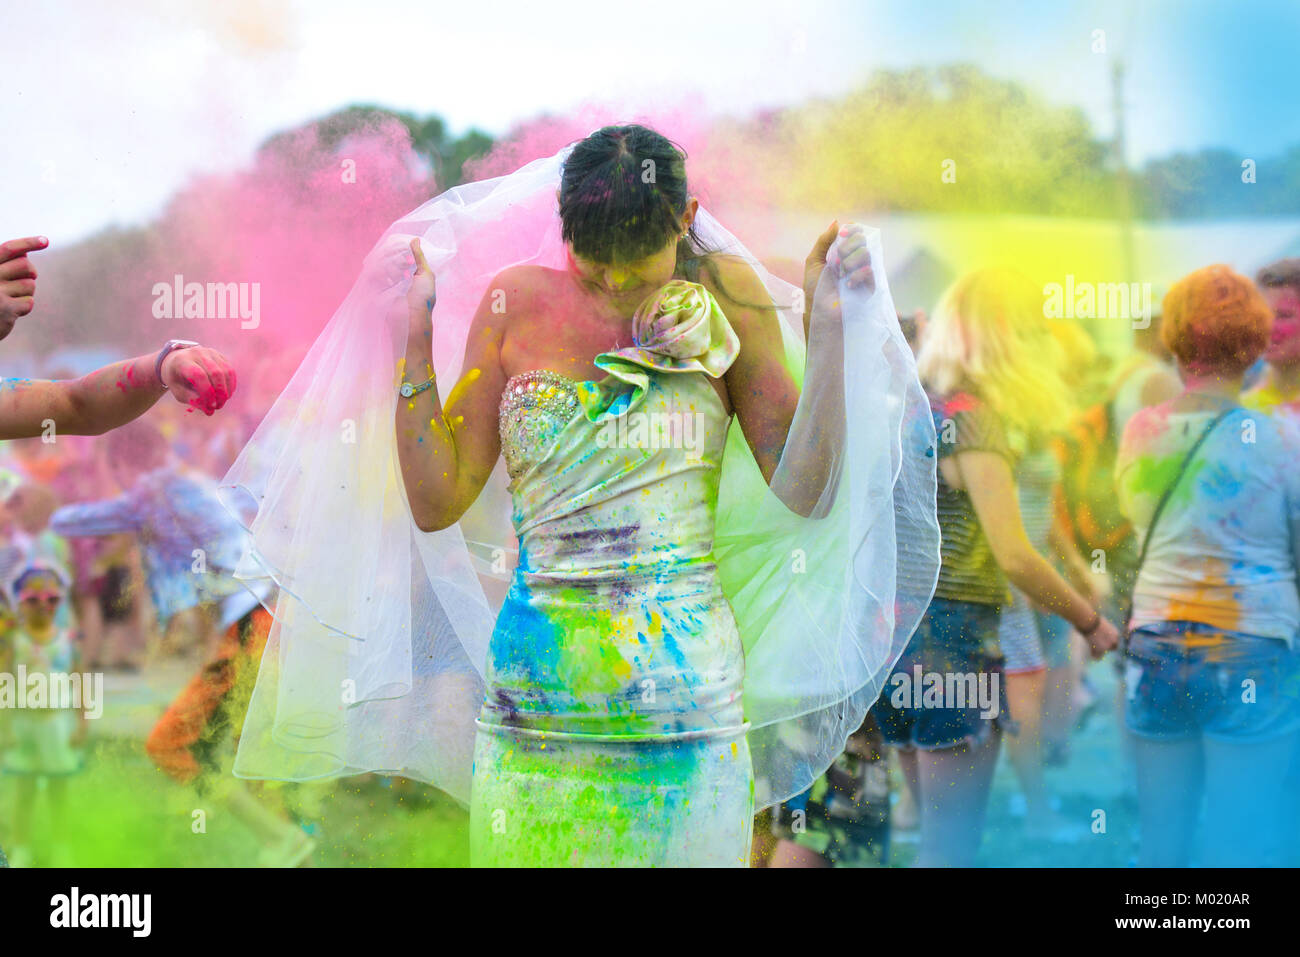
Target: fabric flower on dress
678	328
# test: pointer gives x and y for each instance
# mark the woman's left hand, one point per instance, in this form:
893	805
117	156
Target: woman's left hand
852	260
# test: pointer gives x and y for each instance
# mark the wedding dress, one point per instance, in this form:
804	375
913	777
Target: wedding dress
630	642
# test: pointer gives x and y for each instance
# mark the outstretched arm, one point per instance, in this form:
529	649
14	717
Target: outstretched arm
448	451
108	397
106	517
114	395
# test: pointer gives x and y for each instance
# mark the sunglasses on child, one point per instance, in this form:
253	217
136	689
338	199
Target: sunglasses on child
48	598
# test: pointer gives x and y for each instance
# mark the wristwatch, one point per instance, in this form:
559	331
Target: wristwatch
407	390
170	346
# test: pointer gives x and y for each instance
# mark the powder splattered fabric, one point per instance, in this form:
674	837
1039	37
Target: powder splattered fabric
1269	398
1224	551
613	728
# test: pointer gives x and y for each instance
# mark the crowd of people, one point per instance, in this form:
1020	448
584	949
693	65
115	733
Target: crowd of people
1144	511
99	542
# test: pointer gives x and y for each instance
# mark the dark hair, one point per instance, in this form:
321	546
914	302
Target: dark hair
622	195
1283	273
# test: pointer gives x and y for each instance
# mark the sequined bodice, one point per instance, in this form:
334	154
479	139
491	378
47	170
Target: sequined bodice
614	489
535	406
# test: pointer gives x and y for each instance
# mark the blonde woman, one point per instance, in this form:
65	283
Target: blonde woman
991	368
1036	645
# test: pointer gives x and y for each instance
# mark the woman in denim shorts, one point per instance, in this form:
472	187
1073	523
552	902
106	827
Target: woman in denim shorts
1210	666
988	360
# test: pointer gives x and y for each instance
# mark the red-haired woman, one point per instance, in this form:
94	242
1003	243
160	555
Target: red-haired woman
1213	493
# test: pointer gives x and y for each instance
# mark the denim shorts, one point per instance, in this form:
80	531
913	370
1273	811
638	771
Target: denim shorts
948	688
1188	680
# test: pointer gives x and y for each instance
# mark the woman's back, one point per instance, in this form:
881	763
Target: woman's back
1223	552
969	572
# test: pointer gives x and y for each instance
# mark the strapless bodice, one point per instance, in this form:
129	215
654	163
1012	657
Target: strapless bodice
615	621
535	406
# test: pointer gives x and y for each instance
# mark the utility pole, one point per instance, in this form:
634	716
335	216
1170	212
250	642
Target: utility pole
1123	197
1123	181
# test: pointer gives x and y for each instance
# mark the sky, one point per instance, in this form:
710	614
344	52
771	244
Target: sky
110	108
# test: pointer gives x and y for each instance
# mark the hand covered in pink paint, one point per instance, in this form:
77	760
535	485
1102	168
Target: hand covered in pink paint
199	377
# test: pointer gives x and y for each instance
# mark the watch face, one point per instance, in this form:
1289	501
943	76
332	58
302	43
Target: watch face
407	390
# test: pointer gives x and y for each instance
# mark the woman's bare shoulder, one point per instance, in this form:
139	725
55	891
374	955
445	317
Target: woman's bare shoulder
526	278
513	295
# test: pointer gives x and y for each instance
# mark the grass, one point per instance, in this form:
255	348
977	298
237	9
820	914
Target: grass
121	812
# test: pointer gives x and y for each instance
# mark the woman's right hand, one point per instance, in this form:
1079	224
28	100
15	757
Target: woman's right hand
424	285
1103	638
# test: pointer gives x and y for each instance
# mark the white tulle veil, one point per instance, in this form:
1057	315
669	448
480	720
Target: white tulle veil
376	657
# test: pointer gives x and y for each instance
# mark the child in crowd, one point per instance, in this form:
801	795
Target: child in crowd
44	738
190	546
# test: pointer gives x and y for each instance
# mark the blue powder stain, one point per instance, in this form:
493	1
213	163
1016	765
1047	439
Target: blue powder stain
524	638
675	652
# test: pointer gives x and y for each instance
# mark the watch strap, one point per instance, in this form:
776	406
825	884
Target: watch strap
408	390
170	346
